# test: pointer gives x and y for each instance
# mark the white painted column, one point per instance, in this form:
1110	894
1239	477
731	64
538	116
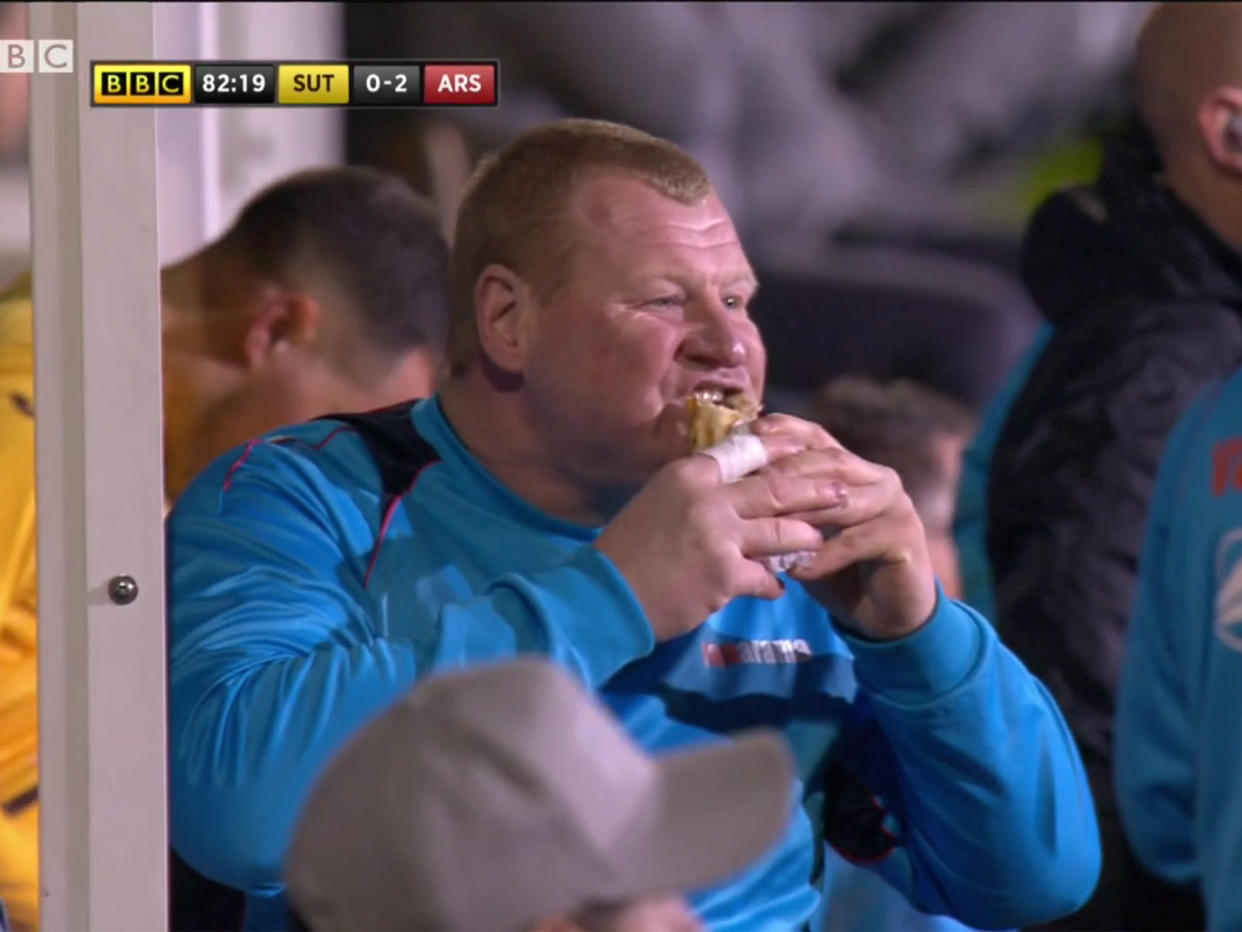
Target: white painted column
100	479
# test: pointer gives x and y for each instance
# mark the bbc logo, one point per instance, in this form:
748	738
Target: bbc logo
140	83
47	56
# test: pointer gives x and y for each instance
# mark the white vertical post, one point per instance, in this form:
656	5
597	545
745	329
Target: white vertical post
100	484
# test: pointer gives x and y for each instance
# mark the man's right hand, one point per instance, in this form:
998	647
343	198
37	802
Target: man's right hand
687	543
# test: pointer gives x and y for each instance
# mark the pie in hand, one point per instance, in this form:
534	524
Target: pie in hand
713	415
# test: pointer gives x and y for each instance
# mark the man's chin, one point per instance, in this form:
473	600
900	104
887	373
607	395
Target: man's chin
629	456
627	471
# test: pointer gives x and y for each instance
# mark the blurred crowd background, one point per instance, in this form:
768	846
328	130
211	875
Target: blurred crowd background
877	157
881	155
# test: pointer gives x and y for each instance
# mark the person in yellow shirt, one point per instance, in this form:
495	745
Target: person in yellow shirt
328	294
19	812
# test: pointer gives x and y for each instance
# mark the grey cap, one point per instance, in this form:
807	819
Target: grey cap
493	797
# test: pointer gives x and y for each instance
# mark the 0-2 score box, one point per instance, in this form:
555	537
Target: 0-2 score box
379	83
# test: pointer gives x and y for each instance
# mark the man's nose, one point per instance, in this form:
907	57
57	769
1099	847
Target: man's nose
713	340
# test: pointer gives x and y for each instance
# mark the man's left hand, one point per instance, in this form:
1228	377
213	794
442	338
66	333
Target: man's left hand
873	572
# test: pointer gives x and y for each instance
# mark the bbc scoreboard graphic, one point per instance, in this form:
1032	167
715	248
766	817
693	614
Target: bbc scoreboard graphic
424	83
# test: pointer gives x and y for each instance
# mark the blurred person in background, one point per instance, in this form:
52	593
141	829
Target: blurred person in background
970	511
512	779
916	431
1179	744
546	501
921	434
327	294
1140	279
19	865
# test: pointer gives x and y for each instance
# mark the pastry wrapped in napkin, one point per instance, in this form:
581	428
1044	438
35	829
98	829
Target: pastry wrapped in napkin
719	427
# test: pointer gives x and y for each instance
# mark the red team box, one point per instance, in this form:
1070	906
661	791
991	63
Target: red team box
464	85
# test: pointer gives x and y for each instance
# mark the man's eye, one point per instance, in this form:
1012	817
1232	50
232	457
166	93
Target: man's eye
735	302
670	300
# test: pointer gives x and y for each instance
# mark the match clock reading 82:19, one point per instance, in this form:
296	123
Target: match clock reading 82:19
235	83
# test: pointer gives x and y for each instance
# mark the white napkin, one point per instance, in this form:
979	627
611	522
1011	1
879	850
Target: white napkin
738	455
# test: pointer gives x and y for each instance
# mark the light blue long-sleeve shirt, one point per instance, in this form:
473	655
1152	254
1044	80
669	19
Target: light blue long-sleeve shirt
1178	765
303	602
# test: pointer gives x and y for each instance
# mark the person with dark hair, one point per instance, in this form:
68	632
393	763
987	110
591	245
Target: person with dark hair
1140	279
327	294
921	434
547	500
916	431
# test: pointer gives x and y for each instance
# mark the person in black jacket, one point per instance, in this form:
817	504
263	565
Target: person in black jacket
1140	276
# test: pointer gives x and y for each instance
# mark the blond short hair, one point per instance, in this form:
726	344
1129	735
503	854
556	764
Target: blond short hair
514	204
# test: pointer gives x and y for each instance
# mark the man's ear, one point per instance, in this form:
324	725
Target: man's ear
1220	123
504	304
281	322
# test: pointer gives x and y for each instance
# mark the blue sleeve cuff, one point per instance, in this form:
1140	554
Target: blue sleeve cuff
924	665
